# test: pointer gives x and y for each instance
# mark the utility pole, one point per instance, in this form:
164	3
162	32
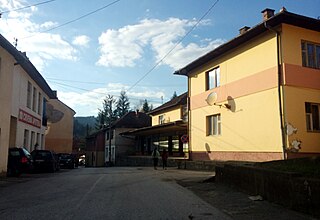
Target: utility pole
110	122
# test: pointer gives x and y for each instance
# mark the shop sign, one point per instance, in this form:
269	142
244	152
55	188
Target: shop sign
29	119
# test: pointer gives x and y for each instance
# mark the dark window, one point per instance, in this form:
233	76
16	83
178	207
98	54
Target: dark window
310	53
312	116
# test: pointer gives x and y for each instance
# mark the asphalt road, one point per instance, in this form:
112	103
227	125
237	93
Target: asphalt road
104	193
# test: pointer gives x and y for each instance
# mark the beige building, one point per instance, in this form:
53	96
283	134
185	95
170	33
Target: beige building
24	95
59	135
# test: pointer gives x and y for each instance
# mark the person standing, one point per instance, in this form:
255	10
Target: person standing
164	157
155	157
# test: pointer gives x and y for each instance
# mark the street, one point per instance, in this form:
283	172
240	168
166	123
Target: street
104	193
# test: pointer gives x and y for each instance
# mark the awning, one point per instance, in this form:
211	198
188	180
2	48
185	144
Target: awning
177	127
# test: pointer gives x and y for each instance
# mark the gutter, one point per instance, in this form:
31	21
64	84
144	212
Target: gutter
280	95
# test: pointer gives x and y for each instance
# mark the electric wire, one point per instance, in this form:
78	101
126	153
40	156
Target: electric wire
100	93
28	6
167	54
74	20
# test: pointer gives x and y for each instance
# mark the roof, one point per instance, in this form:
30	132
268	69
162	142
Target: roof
176	127
179	100
25	63
282	17
133	120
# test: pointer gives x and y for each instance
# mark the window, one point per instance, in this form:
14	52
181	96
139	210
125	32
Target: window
32	140
214	125
312	116
39	103
213	78
26	138
161	119
310	54
34	99
29	91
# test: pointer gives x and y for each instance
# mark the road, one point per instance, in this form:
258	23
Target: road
104	193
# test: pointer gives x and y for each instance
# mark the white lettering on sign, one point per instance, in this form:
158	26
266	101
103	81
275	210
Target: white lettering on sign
29	119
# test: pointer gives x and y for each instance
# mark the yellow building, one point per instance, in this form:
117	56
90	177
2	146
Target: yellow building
257	97
59	135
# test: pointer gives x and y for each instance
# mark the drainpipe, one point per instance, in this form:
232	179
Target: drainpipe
279	64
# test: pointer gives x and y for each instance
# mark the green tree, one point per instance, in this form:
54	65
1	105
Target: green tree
146	107
122	105
109	112
100	120
174	95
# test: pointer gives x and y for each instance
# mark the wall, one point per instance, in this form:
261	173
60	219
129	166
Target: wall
251	128
170	115
302	85
59	137
6	69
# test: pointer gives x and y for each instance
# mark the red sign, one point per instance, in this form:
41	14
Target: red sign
29	119
184	138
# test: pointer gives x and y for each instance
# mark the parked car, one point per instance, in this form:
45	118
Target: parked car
19	161
67	160
45	160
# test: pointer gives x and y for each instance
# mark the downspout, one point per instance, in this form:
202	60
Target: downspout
189	120
280	96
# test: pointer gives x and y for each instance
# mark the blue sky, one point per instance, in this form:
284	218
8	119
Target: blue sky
115	48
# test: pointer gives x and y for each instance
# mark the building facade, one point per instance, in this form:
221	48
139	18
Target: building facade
23	97
257	97
59	135
169	124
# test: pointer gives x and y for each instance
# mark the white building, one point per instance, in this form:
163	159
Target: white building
23	97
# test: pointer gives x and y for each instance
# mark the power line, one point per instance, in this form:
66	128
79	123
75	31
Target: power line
167	54
29	6
100	93
101	83
74	20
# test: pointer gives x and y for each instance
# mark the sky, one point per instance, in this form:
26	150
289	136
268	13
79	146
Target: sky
87	50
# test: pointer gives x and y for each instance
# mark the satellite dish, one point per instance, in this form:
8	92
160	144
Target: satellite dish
212	98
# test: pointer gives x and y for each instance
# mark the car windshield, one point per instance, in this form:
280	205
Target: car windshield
42	154
15	153
65	156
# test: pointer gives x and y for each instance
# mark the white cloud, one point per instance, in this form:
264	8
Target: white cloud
81	40
125	46
87	103
40	47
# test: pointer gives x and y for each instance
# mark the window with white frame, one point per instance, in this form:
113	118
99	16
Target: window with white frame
214	125
213	78
312	116
310	54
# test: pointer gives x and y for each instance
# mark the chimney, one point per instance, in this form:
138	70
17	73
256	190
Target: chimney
243	30
267	13
55	93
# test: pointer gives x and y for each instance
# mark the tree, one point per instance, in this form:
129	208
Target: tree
109	113
174	95
123	105
145	107
101	120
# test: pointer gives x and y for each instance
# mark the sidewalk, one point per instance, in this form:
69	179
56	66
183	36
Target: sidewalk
229	200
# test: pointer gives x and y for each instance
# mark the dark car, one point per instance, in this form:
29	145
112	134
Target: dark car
45	160
19	161
67	160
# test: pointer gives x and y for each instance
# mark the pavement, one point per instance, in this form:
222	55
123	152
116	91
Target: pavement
232	201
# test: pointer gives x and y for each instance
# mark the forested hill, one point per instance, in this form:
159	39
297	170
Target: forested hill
83	126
